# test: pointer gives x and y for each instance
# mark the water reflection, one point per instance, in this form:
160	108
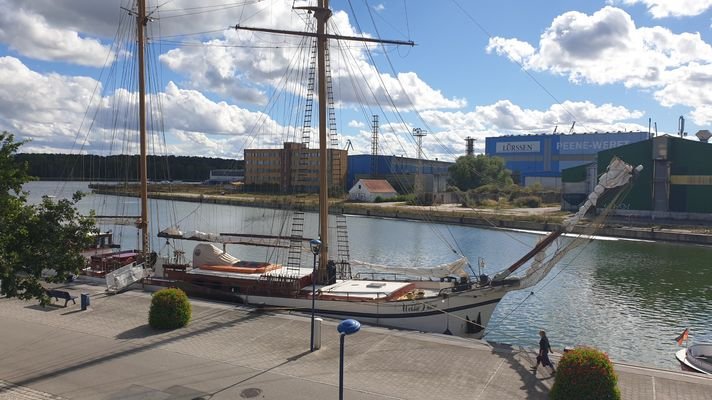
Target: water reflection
630	299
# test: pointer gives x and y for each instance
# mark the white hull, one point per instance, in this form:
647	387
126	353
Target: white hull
439	315
697	357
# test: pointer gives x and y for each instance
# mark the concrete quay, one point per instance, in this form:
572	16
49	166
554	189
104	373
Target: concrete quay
233	352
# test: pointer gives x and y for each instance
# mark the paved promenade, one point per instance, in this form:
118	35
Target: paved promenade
229	352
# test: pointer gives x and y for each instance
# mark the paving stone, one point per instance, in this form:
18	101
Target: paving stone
228	352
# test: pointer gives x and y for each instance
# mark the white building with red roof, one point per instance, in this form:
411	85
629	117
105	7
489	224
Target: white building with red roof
369	189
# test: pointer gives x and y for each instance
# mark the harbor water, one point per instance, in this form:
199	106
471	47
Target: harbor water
627	298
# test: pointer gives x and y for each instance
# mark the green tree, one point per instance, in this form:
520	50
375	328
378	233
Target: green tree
49	236
470	172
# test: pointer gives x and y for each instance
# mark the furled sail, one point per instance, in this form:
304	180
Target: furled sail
456	268
226	238
617	174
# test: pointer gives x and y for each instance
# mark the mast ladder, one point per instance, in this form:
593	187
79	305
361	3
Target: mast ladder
336	187
301	180
343	264
294	256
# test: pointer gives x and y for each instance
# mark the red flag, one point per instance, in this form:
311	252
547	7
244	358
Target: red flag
683	336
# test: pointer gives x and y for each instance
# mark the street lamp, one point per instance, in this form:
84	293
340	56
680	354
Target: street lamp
346	327
315	246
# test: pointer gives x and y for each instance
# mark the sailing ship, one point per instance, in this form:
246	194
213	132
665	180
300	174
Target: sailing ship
443	299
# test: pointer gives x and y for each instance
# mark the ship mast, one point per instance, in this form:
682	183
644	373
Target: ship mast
141	21
322	13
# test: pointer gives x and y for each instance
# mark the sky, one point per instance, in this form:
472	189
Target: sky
478	69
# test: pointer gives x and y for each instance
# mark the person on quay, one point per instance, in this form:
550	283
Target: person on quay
544	350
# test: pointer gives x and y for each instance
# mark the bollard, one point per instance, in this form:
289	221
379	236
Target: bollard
84	301
317	333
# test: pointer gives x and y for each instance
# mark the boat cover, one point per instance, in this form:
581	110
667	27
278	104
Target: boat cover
208	254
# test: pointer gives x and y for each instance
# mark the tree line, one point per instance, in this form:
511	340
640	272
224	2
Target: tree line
121	167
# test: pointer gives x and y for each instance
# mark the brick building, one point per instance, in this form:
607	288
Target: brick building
293	169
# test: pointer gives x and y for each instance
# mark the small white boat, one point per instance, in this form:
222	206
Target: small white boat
696	358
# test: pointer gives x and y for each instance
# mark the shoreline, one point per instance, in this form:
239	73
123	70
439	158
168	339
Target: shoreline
541	219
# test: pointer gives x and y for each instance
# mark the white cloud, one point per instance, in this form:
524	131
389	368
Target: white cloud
514	49
670	8
379	7
607	48
33	35
447	130
505	117
249	66
356	124
44	107
49	109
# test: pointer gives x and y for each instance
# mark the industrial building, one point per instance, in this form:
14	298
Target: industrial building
292	169
676	181
405	174
540	158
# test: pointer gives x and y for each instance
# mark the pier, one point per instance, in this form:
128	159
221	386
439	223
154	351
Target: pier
235	352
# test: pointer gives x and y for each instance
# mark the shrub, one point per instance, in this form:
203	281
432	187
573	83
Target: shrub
585	373
528	201
489	203
170	309
422	199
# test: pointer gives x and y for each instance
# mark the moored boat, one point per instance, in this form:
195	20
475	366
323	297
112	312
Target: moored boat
445	299
696	358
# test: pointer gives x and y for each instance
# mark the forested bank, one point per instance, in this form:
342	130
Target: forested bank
122	167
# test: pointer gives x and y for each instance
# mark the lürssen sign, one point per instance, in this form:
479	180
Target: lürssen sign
518	147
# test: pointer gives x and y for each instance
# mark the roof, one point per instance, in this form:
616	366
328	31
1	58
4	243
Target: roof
377	185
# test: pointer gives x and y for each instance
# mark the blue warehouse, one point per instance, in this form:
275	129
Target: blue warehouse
539	158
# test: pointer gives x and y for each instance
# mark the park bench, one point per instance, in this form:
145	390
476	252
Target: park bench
61	294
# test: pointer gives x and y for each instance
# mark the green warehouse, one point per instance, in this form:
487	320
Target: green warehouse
676	181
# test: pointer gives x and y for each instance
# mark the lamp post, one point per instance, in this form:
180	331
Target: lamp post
315	246
346	327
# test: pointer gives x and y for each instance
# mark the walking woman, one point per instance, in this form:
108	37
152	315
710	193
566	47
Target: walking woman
544	349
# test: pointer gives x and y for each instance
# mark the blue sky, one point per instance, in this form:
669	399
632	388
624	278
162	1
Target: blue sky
478	69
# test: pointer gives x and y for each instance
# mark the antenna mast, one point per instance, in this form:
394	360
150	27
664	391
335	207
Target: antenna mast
418	134
470	141
374	147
